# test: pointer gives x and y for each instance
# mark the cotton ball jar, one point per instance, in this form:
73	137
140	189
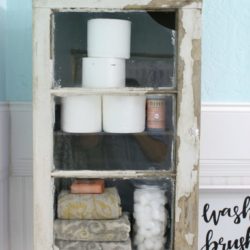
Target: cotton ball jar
150	217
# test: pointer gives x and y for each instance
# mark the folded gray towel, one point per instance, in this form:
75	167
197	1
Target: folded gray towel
84	245
93	230
89	206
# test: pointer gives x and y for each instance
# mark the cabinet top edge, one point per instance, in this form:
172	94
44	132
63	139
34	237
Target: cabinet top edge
80	5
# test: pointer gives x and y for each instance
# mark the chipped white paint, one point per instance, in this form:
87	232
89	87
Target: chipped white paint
111	91
42	132
43	114
193	6
88	3
121	4
129	174
189	238
188	154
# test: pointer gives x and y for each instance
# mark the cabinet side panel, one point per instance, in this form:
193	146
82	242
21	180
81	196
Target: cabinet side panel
188	123
42	131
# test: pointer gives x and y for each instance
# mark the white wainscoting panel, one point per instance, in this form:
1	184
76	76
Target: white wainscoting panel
4	176
21	139
225	145
225	162
21	235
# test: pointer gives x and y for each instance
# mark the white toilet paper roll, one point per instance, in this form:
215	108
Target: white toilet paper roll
81	114
109	38
124	114
103	72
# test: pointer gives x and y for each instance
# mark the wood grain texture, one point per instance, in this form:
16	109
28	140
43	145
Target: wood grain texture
188	123
186	205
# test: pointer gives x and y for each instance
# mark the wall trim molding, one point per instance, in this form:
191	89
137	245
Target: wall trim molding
20	106
232	167
4	107
225	107
21	168
4	174
225	174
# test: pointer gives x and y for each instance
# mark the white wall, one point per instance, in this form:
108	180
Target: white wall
224	175
225	145
4	176
21	214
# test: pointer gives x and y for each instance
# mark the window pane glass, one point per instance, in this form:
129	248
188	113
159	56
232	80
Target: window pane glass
152	56
149	199
152	149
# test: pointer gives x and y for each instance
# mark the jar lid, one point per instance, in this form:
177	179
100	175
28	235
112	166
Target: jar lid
156	96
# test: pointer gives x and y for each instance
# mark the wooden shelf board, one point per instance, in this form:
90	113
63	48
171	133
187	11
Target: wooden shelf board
150	133
126	174
61	92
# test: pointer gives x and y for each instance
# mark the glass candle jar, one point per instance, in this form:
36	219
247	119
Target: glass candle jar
150	217
156	112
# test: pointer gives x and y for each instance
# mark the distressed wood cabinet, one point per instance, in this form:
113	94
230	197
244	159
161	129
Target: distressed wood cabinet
54	18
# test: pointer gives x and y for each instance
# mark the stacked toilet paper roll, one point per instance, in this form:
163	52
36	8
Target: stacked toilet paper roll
108	46
109	38
103	72
121	114
124	114
81	114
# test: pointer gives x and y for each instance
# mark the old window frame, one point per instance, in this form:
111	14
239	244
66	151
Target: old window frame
188	113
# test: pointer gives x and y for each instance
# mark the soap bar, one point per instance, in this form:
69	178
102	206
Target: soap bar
87	187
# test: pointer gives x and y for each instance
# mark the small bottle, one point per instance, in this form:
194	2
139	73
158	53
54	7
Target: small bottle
156	112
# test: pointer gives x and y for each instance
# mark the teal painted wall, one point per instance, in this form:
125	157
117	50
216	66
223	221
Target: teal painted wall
19	50
2	49
225	51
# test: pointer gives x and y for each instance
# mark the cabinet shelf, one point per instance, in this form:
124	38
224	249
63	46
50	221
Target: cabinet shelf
61	92
128	174
150	133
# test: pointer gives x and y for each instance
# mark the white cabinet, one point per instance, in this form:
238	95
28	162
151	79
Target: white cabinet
164	67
